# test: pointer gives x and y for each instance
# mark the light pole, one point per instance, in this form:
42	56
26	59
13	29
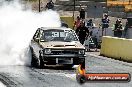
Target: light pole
39	6
74	10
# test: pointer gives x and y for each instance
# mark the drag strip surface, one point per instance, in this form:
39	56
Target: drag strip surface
24	76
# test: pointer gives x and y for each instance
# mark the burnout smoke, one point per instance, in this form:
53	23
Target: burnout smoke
17	28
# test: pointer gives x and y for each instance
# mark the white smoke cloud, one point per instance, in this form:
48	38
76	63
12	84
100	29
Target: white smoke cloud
2	85
17	28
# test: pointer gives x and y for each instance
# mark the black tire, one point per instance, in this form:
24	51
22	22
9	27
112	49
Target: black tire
41	62
34	59
35	62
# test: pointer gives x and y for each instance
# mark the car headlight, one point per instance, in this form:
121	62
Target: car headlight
47	51
81	51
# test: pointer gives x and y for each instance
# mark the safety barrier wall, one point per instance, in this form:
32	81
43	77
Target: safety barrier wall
117	48
118	2
69	20
126	3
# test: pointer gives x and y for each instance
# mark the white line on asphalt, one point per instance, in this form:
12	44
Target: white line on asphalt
110	59
71	76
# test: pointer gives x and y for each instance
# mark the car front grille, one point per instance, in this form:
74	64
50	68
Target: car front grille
64	52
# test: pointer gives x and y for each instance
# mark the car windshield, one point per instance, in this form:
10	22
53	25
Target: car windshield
58	35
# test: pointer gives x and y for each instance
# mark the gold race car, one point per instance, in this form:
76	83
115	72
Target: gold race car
56	46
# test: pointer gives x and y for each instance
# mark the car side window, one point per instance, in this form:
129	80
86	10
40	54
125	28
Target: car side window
36	35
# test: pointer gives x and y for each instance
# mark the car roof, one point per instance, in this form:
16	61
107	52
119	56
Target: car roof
60	28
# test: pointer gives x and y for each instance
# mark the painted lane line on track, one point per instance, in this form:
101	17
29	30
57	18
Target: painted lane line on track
110	59
71	76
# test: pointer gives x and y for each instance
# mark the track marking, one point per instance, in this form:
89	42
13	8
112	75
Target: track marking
71	76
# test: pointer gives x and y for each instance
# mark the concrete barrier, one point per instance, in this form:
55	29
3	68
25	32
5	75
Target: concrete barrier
117	48
68	20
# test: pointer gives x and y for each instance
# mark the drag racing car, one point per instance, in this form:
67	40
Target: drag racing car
56	46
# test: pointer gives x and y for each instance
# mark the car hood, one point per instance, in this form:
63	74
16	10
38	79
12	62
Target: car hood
64	45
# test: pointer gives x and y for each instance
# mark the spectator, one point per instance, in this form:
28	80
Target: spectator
82	13
50	5
90	23
125	29
77	22
80	7
118	28
105	23
82	32
90	26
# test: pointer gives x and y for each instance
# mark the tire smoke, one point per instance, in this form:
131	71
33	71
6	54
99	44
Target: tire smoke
17	27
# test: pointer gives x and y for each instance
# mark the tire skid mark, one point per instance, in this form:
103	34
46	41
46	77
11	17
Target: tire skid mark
71	76
5	80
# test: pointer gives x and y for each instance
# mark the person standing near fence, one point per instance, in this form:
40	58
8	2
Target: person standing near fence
50	5
105	23
77	22
118	28
82	13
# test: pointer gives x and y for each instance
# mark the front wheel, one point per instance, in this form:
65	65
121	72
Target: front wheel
41	62
34	60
